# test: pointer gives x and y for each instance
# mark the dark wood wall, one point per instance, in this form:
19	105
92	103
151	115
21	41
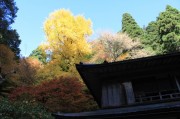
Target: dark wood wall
153	88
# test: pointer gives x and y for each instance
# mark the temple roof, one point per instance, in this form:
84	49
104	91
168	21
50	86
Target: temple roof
94	75
143	111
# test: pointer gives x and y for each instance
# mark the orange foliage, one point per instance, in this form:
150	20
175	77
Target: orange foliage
98	52
7	62
64	94
27	70
7	66
123	56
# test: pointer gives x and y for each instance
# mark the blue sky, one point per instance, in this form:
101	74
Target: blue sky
104	14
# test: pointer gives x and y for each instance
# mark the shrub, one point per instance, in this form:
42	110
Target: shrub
64	94
22	110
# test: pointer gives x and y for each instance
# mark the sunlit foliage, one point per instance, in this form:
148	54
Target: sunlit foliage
163	35
117	46
39	54
67	37
27	69
130	26
169	29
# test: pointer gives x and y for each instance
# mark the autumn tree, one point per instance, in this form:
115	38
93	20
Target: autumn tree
130	26
116	44
27	69
120	46
98	55
7	68
9	36
66	37
39	54
64	94
49	71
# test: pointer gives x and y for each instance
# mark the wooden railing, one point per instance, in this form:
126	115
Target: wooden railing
157	96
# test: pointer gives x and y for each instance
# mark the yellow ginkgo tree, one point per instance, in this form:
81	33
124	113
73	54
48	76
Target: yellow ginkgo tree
67	37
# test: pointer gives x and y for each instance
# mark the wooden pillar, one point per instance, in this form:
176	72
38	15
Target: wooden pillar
104	98
129	92
177	83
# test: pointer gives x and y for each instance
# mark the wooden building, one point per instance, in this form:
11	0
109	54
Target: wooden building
144	88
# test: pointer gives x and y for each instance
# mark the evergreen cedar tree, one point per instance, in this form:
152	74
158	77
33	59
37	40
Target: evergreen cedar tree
9	36
169	29
130	26
163	35
160	36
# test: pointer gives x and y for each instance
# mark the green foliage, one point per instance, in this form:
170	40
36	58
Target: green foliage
9	36
11	39
39	54
151	38
163	35
6	87
8	12
169	29
22	110
130	26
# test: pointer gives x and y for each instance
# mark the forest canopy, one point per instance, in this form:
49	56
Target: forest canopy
47	81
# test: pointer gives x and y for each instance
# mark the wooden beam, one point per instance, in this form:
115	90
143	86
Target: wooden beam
177	83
